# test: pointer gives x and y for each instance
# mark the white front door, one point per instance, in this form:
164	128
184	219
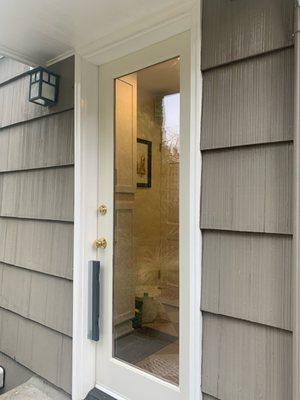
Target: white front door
144	350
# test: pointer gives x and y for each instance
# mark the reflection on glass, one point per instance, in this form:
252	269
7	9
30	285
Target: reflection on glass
146	222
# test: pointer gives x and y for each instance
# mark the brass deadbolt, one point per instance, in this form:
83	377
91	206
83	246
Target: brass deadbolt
102	209
101	243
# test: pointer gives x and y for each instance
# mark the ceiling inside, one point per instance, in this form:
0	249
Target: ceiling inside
160	79
40	31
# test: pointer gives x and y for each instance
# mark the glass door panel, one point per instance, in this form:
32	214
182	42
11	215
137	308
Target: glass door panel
146	220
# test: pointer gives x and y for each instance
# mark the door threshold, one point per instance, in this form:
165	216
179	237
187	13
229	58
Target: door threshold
96	394
102	394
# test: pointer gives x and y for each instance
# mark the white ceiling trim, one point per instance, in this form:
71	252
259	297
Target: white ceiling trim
16	55
61	57
150	30
141	33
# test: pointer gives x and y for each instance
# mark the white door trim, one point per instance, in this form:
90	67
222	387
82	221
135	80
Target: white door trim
85	220
127	383
85	216
195	197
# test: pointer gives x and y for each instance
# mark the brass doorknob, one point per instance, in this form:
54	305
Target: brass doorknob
102	209
101	243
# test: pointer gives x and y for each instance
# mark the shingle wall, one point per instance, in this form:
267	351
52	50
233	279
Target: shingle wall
247	150
36	225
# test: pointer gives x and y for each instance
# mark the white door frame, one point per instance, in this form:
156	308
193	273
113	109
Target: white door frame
86	190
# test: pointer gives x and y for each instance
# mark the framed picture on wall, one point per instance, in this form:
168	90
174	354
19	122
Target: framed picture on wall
144	163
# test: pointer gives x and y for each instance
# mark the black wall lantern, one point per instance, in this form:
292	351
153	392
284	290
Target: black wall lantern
43	87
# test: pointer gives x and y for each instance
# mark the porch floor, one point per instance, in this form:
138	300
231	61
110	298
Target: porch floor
34	389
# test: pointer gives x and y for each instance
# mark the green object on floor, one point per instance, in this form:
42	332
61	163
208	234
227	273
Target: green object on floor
137	320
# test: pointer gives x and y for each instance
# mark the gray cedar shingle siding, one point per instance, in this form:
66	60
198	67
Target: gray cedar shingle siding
42	298
11	68
40	143
253	280
44	194
249	102
42	350
247	150
36	225
243	360
248	189
237	29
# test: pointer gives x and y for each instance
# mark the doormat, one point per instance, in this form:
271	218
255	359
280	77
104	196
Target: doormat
141	343
164	368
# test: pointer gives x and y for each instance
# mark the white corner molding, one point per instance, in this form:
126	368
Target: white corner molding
196	168
126	41
15	55
61	57
85	220
153	29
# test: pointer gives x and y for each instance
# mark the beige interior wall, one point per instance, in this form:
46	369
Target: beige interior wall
124	263
156	222
147	218
169	225
152	228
